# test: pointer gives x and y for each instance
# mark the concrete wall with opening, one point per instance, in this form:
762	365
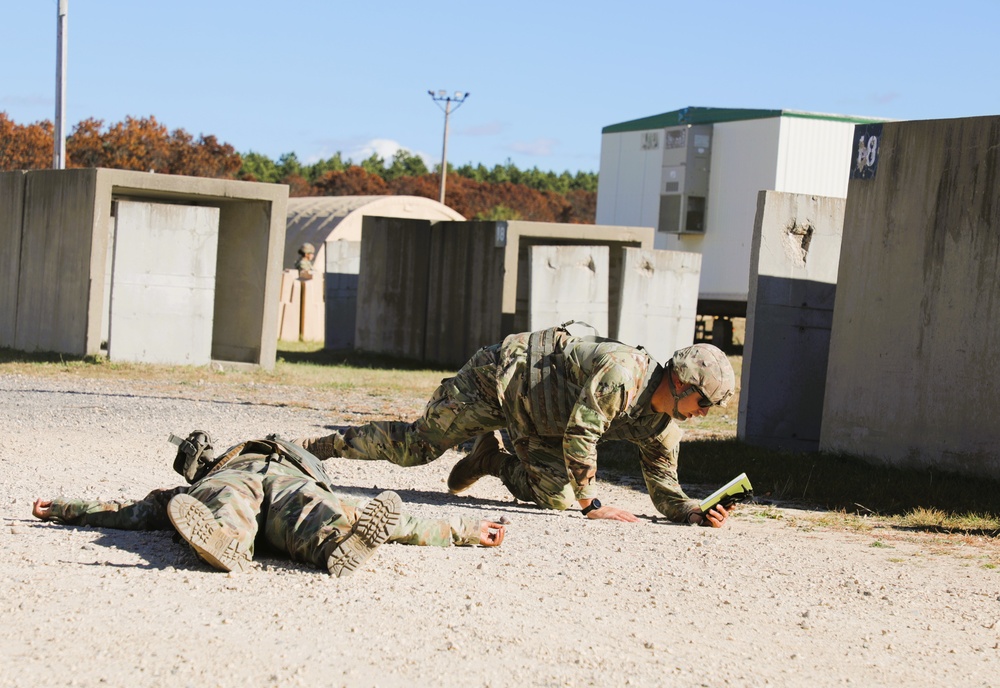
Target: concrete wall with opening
438	291
72	234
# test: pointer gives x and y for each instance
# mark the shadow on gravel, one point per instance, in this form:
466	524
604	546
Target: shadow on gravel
164	550
124	395
414	496
353	359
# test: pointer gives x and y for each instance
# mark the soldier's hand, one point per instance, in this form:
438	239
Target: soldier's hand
715	517
42	508
613	513
490	533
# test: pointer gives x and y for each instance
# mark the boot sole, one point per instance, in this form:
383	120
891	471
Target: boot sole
373	528
196	524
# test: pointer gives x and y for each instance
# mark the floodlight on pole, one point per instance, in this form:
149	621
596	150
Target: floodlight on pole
442	97
59	132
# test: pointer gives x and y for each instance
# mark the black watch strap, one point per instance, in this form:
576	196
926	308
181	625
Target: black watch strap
593	506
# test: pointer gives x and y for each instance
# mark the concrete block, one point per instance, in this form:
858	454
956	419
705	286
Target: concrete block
517	237
60	251
913	365
392	286
441	290
163	283
66	226
343	263
464	293
658	300
568	283
11	210
793	282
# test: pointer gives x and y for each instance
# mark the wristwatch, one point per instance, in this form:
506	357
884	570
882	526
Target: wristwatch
593	506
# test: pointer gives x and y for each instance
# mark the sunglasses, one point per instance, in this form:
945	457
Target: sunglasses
704	401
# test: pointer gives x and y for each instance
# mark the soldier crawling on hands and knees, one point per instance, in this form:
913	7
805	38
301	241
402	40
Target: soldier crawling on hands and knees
557	395
273	492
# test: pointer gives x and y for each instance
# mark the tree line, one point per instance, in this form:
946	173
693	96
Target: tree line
503	192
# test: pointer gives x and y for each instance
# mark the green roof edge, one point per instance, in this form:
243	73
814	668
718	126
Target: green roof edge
706	115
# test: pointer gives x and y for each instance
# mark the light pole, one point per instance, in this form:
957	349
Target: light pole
442	97
59	132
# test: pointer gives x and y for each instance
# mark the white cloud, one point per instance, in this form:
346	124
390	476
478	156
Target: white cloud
357	151
540	147
385	148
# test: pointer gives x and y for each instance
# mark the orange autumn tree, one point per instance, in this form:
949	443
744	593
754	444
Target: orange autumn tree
135	144
25	147
144	144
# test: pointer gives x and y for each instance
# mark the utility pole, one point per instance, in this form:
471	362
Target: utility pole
59	133
457	99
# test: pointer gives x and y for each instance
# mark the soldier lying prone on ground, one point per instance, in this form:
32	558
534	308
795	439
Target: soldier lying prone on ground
272	491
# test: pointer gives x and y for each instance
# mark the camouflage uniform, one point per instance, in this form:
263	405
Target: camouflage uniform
305	265
275	500
557	395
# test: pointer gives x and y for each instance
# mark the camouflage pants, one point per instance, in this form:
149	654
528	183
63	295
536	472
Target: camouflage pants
463	407
291	512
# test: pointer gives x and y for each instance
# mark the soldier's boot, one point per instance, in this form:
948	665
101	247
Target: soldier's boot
486	458
212	542
373	528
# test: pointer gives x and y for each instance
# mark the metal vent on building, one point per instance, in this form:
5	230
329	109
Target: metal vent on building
687	153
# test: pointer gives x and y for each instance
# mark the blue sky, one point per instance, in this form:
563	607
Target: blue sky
316	77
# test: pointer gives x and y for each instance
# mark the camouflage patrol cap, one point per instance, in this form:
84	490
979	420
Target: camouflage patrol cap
306	248
707	368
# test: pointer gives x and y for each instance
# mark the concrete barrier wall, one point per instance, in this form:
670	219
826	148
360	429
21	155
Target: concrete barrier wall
658	300
63	259
568	283
343	263
439	291
464	293
794	259
518	237
392	286
59	248
11	209
913	371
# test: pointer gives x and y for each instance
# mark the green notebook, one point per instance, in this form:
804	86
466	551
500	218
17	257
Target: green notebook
738	489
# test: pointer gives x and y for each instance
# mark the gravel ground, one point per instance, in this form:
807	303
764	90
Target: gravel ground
775	598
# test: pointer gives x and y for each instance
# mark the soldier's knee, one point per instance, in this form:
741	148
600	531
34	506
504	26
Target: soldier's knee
559	501
419	453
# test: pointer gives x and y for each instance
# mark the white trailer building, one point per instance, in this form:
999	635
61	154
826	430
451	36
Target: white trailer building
694	174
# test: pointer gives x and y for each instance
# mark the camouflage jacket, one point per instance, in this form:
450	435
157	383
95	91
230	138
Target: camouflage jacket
585	391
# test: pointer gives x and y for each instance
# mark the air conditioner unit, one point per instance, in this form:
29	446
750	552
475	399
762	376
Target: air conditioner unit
687	156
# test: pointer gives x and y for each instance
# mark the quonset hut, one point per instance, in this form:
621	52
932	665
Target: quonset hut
323	308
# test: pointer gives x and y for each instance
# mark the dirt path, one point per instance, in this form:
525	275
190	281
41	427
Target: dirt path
773	599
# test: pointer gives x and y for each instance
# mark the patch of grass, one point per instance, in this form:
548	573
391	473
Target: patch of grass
925	499
846	486
837	481
298	363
